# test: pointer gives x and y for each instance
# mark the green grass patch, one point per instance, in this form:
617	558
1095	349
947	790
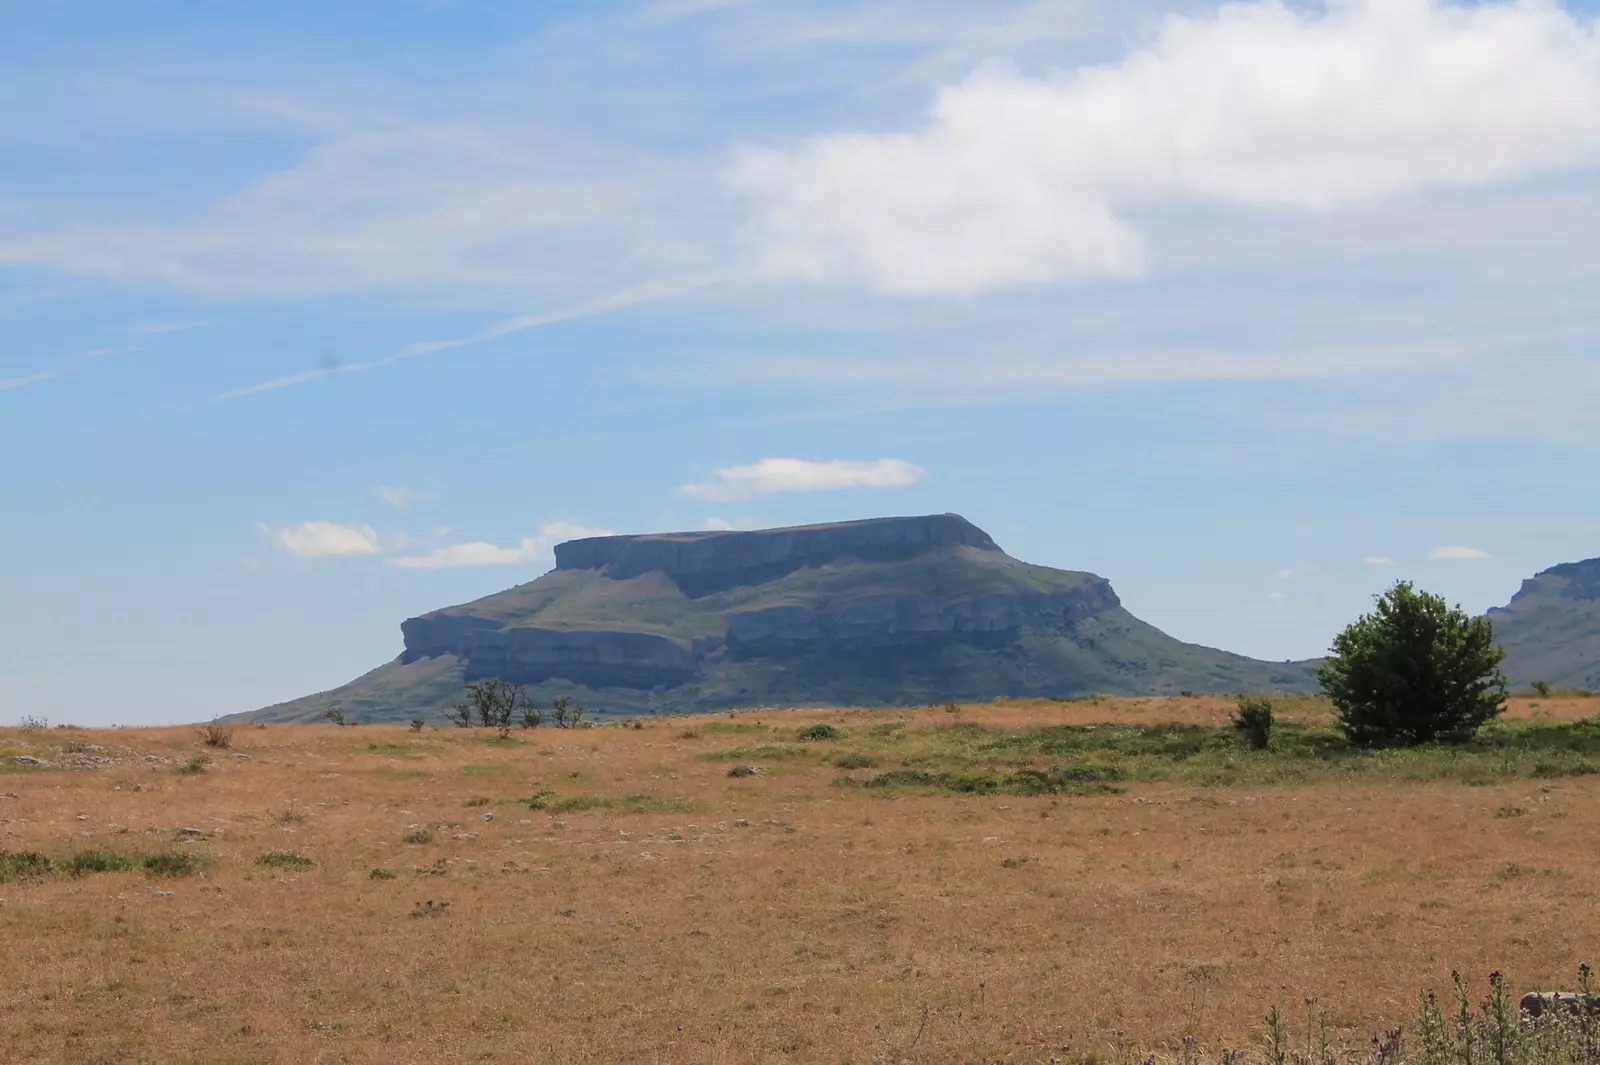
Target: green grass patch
32	865
626	804
287	860
488	770
966	756
1061	780
767	752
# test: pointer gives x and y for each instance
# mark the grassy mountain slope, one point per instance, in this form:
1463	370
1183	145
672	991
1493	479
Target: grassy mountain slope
1551	628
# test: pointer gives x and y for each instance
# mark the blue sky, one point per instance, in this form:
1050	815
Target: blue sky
314	317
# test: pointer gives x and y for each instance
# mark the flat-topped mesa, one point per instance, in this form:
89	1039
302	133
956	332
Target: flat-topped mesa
705	562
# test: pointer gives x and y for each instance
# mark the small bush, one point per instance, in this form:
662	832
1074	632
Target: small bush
193	765
566	713
288	815
417	834
417	724
335	715
1541	689
98	861
216	734
23	865
742	771
381	874
855	761
819	732
284	860
479	801
171	863
430	908
1253	717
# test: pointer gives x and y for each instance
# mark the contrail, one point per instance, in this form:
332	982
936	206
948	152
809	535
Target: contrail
59	369
628	297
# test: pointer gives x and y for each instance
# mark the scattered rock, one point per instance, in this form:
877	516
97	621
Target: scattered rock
246	757
489	816
28	759
83	817
162	894
743	822
558	824
190	832
1535	1003
465	835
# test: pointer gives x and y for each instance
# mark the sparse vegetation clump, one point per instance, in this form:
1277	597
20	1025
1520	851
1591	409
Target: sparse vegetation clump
1414	671
32	865
1252	716
216	734
417	834
192	766
819	732
287	860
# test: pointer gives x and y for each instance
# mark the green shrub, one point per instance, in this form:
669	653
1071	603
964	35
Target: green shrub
1415	670
819	732
190	766
23	865
1253	717
284	860
170	863
417	834
855	761
216	734
742	771
84	863
381	874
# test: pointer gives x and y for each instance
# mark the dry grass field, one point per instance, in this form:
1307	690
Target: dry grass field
648	906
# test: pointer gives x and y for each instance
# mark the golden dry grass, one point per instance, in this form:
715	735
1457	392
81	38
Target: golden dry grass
776	918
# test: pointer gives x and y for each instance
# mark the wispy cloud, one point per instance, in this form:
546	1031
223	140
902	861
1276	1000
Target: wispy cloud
774	475
1459	554
1378	560
325	539
482	553
402	498
614	301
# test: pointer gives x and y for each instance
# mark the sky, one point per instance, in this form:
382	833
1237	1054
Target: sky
314	317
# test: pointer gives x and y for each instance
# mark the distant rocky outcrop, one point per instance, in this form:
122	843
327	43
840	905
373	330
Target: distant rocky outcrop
891	610
1551	628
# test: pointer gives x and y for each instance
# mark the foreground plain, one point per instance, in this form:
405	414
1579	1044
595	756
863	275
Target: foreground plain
890	893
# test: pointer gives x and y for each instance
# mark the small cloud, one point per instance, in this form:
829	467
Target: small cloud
1378	560
1457	553
402	498
250	562
325	539
719	524
1284	574
1277	597
483	553
774	475
440	532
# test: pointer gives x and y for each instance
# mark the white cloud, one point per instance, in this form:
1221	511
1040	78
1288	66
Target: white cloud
719	524
402	498
1020	180
1457	553
774	475
1378	560
482	553
325	539
1284	574
1277	597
